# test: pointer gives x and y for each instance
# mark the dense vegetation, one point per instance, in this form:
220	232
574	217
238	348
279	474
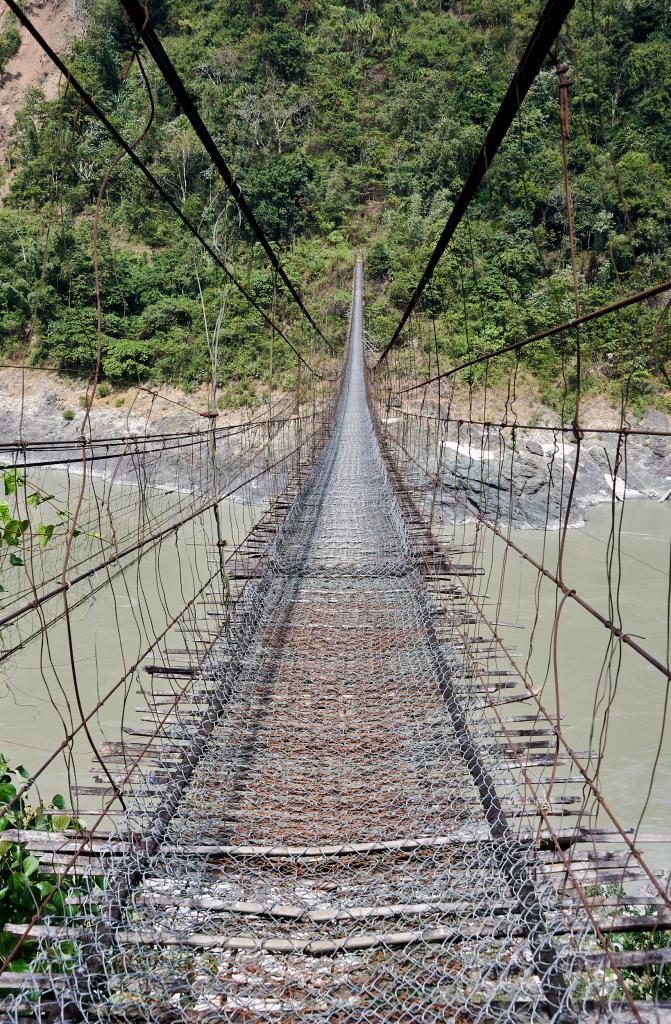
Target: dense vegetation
347	124
10	41
24	885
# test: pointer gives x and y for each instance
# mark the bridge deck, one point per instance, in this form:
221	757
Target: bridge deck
331	855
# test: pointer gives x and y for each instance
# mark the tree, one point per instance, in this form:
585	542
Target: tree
281	191
271	116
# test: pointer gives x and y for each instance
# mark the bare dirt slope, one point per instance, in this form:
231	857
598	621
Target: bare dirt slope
58	22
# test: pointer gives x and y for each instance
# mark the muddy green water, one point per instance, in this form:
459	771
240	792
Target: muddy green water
37	704
112	628
597	680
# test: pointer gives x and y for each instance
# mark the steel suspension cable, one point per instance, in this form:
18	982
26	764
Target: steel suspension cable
137	12
546	31
550	332
139	163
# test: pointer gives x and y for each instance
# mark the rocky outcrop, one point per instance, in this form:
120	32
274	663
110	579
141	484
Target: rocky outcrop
527	483
44	411
59	21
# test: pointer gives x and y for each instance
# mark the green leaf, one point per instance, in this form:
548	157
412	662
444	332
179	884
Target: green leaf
60	822
57	900
4	846
34	499
16	560
23	772
44	533
10	478
30	865
5	514
17	884
59	802
19	966
7	792
12	532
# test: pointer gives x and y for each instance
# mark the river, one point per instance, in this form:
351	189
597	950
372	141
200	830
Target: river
112	627
34	710
636	767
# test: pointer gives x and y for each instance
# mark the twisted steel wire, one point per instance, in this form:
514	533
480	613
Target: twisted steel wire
329	826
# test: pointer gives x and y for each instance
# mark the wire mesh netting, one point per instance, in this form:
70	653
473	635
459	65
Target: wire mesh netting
327	825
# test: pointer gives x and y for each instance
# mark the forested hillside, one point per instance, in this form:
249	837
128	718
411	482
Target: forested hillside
347	124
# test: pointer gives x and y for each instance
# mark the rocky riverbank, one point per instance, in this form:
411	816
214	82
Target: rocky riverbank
39	408
525	479
522	478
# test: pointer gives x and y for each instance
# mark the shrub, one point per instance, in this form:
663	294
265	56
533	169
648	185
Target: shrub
378	261
22	887
10	41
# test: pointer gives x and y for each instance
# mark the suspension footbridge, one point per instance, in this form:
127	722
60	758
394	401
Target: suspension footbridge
344	796
340	836
337	816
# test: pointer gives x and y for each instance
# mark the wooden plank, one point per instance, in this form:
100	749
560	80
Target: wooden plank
31	980
311	947
636	922
317	947
622	958
648	1012
297	912
70	840
467	835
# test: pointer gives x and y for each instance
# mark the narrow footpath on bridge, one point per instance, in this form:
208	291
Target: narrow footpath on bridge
330	827
338	850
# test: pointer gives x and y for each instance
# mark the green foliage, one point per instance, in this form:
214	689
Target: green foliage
378	261
649	982
342	122
24	889
20	524
280	191
10	40
652	982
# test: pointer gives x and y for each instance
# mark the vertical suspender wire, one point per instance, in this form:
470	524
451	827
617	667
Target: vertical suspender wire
560	70
212	338
272	347
435	341
90	395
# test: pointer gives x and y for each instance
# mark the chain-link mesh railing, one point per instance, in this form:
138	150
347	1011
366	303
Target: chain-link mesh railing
326	825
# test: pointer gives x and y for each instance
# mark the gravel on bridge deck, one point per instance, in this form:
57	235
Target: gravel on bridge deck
339	850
